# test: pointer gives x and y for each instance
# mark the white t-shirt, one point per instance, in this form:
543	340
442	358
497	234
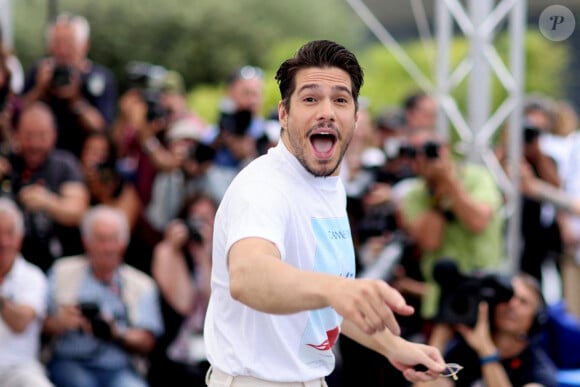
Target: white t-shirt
275	198
25	284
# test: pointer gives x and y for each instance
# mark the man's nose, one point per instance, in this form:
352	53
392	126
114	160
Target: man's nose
326	110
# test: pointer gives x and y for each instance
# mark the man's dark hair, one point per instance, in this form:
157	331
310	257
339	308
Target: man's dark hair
412	100
318	53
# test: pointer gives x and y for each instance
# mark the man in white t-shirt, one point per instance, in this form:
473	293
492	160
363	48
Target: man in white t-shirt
283	277
22	306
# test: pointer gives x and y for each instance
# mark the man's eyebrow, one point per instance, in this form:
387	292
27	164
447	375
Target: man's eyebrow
313	86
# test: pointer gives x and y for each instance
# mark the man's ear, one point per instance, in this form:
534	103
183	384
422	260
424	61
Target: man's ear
282	114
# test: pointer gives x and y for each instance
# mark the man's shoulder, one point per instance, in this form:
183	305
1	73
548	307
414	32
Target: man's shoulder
137	278
28	271
70	263
61	156
64	164
97	68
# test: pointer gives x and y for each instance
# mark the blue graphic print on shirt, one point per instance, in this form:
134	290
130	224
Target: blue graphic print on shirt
334	255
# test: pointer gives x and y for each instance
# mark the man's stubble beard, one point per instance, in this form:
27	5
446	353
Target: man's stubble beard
300	155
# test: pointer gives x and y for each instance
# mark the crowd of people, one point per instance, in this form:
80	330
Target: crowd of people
107	209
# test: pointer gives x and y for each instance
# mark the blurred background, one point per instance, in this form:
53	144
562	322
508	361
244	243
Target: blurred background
205	39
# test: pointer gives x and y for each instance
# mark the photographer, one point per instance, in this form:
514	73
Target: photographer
240	130
451	210
81	93
171	188
48	186
502	348
139	130
182	269
103	314
106	185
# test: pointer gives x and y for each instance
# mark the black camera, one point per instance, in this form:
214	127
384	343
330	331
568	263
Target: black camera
430	149
148	79
4	91
461	294
236	123
143	75
193	226
92	312
61	76
531	132
155	109
106	172
201	153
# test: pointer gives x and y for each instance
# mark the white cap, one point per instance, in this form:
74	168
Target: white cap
185	129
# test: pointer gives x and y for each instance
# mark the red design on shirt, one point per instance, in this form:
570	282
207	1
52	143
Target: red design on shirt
331	337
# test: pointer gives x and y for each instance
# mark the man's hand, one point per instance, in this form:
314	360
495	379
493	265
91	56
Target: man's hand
369	304
70	92
406	356
479	338
44	75
34	197
176	234
70	318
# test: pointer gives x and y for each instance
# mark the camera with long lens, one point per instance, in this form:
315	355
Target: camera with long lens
101	328
461	294
61	76
148	79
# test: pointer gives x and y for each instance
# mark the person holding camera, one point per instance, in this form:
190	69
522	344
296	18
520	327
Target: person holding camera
103	314
240	128
171	188
47	184
106	185
23	291
450	210
502	347
81	93
182	269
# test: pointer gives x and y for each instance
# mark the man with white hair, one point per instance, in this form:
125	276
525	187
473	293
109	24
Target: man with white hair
82	93
22	305
102	312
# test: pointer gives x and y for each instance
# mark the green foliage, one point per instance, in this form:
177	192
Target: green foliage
203	39
387	82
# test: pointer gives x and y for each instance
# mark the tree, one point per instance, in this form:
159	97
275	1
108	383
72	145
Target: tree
204	39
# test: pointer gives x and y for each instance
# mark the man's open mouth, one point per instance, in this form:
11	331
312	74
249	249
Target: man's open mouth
323	143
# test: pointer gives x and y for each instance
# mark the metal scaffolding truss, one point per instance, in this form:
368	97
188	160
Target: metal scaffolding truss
478	21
